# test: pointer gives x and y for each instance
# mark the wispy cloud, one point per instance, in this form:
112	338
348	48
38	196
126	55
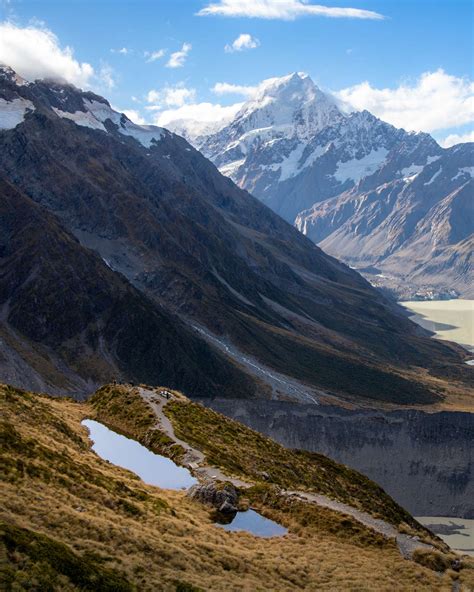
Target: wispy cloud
203	113
121	51
226	88
178	58
435	101
106	77
242	42
170	96
133	115
282	9
457	139
152	56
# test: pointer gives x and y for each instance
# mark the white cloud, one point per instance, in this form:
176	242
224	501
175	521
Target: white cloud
281	9
170	96
122	51
152	56
457	139
133	115
35	52
176	103
243	41
106	77
435	101
178	58
202	112
226	88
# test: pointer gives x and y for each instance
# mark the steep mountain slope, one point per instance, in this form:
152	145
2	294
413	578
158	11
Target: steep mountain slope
72	521
354	184
243	279
69	322
419	228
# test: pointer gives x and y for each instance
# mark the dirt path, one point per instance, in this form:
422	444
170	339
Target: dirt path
195	460
407	544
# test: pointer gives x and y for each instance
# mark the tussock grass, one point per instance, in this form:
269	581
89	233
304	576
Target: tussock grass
56	491
244	452
122	409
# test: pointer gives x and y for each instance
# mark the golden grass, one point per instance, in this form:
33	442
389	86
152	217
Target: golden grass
53	484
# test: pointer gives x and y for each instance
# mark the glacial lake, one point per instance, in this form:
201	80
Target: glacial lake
124	452
448	319
452	320
255	523
458	533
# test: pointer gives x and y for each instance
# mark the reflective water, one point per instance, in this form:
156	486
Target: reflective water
153	468
254	523
458	533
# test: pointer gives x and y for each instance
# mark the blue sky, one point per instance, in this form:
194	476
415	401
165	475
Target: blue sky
414	38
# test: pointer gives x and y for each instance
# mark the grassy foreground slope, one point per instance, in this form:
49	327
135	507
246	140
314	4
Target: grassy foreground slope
70	521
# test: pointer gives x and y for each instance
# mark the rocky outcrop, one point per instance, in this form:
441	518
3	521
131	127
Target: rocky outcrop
223	497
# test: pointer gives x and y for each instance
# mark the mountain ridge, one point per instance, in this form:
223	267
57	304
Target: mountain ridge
306	172
186	238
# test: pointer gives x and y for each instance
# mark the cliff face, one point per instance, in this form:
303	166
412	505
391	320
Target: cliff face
424	461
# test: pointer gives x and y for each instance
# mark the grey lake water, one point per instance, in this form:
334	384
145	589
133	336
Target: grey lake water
124	452
452	320
456	532
448	319
256	524
425	461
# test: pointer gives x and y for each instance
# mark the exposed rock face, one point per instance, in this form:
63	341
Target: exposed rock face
223	498
424	461
368	193
419	227
200	261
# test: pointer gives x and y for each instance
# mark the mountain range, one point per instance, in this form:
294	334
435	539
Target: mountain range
391	203
125	254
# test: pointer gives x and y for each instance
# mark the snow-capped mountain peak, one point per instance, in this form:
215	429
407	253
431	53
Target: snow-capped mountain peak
19	97
293	105
358	186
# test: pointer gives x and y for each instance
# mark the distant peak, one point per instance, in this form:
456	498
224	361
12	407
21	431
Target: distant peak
8	73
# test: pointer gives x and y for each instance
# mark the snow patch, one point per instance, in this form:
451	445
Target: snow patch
434	176
357	169
231	168
82	118
410	172
464	170
97	113
145	134
289	165
12	113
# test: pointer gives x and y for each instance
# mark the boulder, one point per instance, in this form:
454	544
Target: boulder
223	497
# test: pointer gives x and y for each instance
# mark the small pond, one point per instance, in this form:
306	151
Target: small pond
254	523
152	468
